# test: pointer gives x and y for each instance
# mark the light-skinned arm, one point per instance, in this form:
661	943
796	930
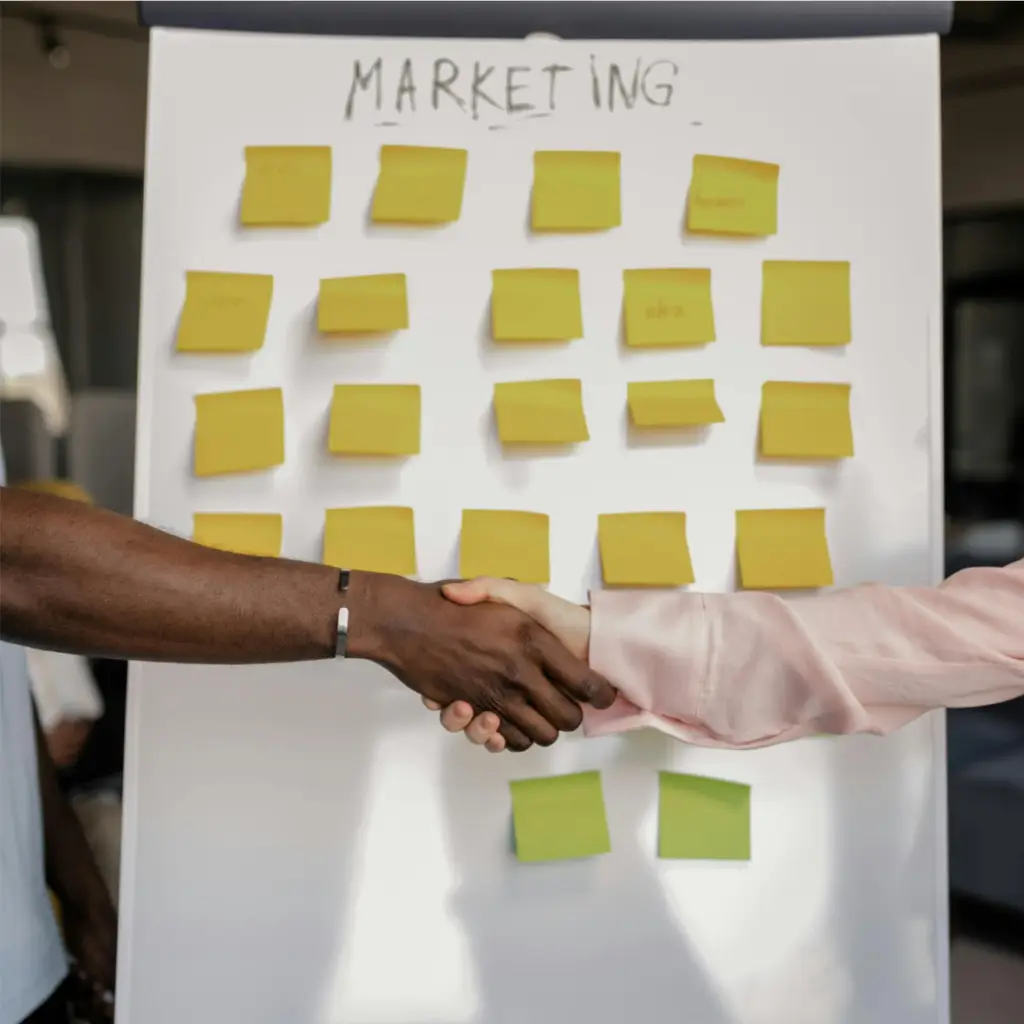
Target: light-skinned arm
752	669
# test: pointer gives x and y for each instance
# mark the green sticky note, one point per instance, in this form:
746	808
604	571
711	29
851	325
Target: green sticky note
559	818
703	819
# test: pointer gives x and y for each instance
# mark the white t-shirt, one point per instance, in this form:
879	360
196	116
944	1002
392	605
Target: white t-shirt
32	961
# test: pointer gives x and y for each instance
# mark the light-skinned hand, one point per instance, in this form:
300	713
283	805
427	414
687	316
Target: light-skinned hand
570	624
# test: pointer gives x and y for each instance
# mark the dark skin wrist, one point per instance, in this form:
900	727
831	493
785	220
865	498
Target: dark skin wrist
71	871
88	918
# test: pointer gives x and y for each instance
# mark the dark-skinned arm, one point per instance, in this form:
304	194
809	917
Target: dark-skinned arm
87	912
88	581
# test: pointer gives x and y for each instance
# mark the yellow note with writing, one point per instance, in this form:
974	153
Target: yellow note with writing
644	549
540	412
374	304
536	305
805	421
783	549
224	312
805	302
733	197
238	431
244	534
668	307
575	191
371	539
419	185
286	186
673	403
375	419
512	545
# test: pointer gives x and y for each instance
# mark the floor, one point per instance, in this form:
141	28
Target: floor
988	984
986	967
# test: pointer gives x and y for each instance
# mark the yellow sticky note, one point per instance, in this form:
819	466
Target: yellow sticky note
783	549
419	185
224	312
239	431
243	534
536	305
673	403
805	302
575	191
733	197
540	412
286	186
511	545
644	549
372	304
805	421
375	419
372	539
668	307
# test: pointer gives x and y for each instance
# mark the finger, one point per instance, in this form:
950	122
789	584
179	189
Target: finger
575	678
496	744
489	588
514	738
554	706
431	705
529	599
465	591
457	716
482	728
528	720
548	696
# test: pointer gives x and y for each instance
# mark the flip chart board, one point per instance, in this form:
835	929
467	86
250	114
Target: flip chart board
304	843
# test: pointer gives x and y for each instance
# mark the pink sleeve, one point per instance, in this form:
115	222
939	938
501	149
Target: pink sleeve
751	669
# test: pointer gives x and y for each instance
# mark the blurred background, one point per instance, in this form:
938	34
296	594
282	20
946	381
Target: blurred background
72	142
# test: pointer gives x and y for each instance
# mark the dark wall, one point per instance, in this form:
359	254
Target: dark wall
984	366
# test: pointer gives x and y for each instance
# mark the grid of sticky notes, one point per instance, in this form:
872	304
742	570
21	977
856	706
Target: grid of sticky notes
563	817
803	303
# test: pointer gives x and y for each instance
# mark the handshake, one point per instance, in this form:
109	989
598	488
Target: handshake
503	661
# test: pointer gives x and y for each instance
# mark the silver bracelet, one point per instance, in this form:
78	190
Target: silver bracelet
341	641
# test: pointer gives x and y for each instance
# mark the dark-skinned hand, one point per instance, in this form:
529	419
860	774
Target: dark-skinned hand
493	657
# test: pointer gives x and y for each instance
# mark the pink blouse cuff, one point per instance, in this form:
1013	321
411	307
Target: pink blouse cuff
654	650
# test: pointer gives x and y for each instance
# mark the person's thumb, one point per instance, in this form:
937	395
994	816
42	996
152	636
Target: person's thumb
569	622
487	588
